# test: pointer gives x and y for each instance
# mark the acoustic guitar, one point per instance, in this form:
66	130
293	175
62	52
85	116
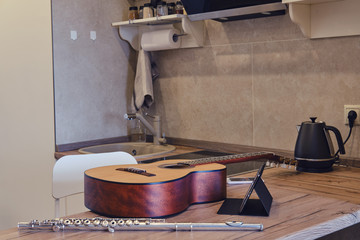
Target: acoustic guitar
161	188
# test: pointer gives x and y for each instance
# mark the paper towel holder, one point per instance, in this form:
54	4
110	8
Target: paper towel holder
132	31
176	36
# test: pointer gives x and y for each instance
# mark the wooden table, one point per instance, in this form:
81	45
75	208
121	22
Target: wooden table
305	206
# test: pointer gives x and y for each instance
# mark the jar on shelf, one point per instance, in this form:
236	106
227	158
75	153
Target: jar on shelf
179	8
133	13
162	9
171	8
148	11
141	12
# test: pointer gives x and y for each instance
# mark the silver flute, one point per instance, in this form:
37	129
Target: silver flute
115	224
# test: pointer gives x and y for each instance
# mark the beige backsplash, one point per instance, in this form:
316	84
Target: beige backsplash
254	81
92	78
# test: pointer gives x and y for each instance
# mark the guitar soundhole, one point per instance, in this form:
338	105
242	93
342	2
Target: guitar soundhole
176	166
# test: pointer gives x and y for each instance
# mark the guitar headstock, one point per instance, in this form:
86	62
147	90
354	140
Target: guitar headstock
283	162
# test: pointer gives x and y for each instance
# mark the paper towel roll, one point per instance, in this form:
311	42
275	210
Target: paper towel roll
160	40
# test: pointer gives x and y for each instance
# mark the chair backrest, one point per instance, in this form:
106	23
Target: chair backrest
68	171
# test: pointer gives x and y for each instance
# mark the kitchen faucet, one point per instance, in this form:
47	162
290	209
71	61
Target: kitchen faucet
155	130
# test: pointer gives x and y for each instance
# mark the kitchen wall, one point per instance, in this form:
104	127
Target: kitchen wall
254	81
93	78
251	83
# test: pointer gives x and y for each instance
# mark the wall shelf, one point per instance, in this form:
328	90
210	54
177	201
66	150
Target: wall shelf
325	18
132	30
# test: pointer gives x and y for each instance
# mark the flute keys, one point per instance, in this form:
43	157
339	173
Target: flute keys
105	223
96	223
56	228
78	222
67	222
34	222
113	223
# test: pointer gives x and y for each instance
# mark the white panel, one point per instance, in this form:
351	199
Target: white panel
328	18
341	18
27	116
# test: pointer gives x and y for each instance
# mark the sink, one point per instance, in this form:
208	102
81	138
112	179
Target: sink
137	149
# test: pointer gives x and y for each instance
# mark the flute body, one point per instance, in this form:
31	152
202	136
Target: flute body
113	225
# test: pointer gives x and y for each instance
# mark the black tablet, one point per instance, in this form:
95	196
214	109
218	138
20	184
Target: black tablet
252	186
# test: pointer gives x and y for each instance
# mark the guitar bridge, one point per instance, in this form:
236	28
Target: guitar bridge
136	171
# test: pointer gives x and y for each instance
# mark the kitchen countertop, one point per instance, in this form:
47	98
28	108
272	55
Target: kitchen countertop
186	145
305	206
177	151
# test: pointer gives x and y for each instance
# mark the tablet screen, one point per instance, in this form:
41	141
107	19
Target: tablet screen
252	186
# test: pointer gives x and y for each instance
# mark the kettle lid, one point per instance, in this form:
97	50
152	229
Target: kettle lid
313	122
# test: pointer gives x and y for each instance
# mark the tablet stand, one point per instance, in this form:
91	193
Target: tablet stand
246	206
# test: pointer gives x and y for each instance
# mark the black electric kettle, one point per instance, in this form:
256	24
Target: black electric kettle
314	151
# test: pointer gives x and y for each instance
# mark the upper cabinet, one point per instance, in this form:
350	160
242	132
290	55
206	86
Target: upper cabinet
326	18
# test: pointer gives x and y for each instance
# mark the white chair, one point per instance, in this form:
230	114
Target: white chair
68	172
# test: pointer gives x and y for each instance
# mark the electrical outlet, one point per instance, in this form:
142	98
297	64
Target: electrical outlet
347	109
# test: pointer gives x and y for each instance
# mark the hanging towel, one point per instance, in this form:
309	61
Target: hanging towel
146	72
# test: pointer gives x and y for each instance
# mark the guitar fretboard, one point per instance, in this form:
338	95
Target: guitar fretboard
230	158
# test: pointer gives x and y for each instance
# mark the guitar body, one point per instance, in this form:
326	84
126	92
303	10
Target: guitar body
117	193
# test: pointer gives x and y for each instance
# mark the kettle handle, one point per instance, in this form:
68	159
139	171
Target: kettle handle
338	138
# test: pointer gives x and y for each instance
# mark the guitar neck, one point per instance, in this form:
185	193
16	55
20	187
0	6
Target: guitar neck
231	158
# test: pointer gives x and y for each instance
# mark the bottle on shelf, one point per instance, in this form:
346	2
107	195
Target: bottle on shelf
171	8
179	8
148	11
133	13
141	12
162	9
